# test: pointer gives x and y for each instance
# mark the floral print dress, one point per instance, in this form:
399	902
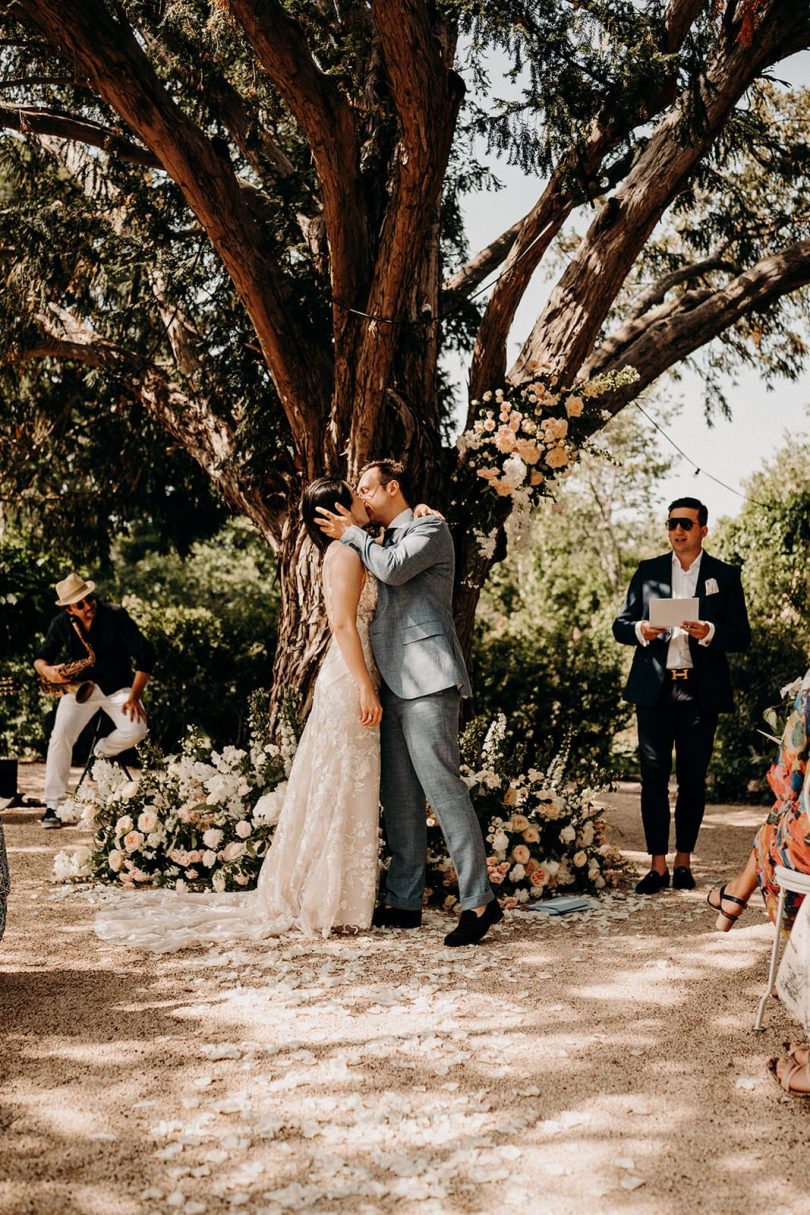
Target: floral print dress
4	882
784	838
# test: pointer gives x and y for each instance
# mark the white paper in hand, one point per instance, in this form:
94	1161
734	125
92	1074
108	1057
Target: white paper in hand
671	613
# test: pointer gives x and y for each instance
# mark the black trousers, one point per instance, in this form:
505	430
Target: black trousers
676	720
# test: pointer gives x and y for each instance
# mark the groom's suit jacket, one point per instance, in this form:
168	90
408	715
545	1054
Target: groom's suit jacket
412	635
722	604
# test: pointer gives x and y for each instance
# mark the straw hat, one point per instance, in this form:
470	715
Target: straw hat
72	589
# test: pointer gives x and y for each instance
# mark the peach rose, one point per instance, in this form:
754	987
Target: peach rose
557	457
520	854
133	840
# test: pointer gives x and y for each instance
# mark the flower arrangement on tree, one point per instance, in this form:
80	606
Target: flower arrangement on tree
521	443
544	833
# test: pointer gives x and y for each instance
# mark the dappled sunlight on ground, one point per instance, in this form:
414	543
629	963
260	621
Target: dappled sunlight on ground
601	1062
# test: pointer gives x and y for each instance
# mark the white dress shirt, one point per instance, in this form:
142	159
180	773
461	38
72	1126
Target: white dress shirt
684	586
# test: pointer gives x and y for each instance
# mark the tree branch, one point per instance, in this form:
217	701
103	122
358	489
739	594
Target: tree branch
566	329
674	331
109	54
576	173
465	280
207	438
656	293
328	124
427	95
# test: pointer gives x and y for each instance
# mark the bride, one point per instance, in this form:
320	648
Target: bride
320	874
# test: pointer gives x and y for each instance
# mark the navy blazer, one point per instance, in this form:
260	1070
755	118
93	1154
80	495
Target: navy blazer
724	608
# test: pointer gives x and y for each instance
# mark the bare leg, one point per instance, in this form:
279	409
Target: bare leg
658	863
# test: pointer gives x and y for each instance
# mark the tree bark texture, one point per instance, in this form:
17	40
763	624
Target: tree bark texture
363	383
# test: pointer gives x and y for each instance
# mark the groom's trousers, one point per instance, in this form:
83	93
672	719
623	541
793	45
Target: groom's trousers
420	760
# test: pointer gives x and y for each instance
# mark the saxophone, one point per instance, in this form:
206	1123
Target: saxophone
83	689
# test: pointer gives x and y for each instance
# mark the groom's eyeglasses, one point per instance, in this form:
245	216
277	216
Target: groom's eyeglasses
686	524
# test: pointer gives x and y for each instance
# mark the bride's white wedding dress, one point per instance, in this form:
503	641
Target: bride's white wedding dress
322	867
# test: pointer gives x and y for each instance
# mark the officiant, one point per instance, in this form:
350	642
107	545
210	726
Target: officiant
679	681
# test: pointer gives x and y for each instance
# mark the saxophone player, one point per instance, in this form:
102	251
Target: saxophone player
103	642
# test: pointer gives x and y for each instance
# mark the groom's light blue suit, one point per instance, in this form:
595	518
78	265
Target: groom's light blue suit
417	651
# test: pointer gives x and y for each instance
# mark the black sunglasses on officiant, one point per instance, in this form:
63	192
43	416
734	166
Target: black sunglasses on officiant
677	521
81	604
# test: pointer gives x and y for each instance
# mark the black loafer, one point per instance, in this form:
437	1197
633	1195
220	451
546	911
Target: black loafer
395	917
50	820
471	927
682	878
652	882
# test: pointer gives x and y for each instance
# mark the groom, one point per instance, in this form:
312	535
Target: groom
417	651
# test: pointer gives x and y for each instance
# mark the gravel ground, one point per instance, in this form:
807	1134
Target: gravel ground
602	1062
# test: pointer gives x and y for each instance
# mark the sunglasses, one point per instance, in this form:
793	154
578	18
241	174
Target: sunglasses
686	524
81	604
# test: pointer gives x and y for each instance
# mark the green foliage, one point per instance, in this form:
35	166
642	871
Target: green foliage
771	537
27	578
211	617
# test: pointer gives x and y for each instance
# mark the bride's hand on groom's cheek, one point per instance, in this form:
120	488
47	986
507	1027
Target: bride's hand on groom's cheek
332	524
423	509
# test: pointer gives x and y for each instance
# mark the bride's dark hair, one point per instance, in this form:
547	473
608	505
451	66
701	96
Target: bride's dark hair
327	492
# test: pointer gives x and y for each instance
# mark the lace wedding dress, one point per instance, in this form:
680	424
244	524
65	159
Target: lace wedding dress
322	867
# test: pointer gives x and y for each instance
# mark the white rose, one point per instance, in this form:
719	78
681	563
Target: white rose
154	838
517	873
124	824
115	860
232	852
128	790
209	858
500	841
212	838
268	807
147	821
243	829
568	835
133	841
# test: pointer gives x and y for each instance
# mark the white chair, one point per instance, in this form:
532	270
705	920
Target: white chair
788	881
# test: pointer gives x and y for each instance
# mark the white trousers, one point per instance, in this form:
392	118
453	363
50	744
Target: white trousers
71	718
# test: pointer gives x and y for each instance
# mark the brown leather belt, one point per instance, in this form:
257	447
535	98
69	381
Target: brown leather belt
679	672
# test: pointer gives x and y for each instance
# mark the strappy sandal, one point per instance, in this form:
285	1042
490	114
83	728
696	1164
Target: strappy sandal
726	919
794	1049
789	1074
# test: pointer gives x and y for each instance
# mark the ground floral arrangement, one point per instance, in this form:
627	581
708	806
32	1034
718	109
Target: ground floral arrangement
545	833
204	820
200	820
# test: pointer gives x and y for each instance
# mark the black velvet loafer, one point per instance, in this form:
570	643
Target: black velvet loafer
682	878
471	927
395	917
652	882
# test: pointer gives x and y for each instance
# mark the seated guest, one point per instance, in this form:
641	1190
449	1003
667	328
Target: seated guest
792	1071
784	838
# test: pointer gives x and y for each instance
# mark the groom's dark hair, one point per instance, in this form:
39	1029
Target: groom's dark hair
328	492
391	470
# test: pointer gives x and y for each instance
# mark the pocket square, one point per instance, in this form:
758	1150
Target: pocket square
711	587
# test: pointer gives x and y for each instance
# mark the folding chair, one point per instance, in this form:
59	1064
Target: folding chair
789	881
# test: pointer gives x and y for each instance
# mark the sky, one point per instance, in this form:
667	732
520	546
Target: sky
762	420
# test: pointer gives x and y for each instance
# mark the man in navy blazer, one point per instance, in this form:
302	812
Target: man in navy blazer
679	682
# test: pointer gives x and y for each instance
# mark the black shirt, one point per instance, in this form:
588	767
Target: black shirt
115	639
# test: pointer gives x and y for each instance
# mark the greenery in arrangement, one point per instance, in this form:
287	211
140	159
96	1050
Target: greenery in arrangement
544	830
203	820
